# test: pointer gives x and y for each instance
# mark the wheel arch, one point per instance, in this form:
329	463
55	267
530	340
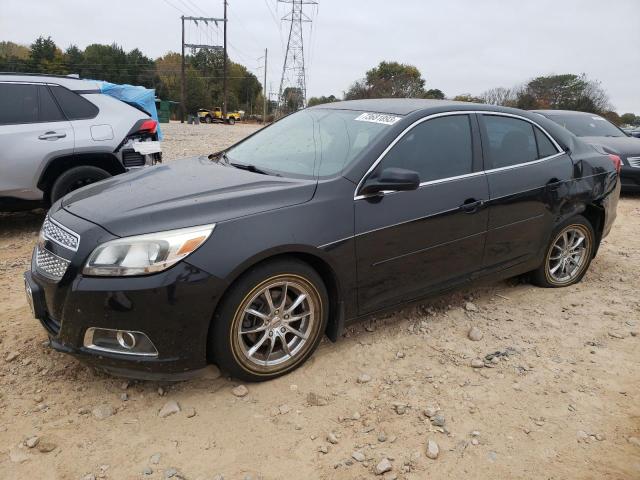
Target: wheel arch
315	260
596	216
57	166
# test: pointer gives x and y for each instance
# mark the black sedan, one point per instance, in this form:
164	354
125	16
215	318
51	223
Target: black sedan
607	138
247	257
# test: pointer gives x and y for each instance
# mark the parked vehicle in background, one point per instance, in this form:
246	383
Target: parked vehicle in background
248	257
216	116
632	132
59	133
606	138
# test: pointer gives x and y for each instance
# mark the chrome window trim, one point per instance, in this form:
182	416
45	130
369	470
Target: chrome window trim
525	164
69	231
448	179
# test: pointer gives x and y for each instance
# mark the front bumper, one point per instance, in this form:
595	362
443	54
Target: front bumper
173	309
630	178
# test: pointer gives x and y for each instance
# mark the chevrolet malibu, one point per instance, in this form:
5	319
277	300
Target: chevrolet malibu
246	258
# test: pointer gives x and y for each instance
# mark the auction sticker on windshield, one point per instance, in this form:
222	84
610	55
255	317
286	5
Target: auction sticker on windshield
378	118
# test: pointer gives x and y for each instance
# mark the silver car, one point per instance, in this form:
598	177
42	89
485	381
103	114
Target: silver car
59	133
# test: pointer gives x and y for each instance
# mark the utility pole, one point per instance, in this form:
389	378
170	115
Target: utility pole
182	87
264	92
193	47
294	57
224	65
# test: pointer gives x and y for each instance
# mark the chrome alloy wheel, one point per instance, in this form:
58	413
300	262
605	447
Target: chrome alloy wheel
568	254
278	320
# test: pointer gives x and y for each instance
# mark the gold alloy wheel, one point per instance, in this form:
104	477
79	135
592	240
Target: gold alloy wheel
276	324
568	255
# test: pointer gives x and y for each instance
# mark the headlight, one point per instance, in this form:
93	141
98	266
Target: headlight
145	254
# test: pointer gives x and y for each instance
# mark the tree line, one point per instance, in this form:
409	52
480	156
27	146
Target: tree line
204	78
204	71
565	92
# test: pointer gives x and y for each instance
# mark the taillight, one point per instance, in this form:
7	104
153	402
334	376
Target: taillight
617	161
148	126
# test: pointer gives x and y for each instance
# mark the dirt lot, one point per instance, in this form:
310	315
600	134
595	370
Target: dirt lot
561	400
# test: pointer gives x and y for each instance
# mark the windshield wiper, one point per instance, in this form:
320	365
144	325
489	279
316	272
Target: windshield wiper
220	156
251	168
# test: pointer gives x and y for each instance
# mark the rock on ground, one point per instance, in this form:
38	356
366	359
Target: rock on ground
432	449
383	467
240	391
103	411
169	408
475	334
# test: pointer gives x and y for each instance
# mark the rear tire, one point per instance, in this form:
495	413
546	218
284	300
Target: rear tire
270	321
231	121
208	119
75	178
568	254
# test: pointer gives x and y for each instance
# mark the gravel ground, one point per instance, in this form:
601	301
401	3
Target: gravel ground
554	392
184	140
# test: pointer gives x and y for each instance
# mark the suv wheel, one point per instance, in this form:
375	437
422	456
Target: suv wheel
75	178
568	254
271	320
231	120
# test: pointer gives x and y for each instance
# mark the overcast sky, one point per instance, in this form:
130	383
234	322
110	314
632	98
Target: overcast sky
460	46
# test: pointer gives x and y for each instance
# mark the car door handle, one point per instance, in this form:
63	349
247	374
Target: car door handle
52	136
471	205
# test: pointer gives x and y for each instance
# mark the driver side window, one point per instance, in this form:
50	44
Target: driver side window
438	148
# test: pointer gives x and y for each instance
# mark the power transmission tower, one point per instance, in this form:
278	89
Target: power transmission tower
193	47
294	57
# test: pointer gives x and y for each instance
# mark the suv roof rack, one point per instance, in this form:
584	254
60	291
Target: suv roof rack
71	76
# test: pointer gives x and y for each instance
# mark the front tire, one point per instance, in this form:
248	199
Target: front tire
75	178
270	321
208	119
231	121
568	254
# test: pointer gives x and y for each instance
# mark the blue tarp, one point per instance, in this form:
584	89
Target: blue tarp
136	95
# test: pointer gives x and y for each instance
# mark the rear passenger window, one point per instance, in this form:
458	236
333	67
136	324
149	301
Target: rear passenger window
74	106
436	149
49	111
18	103
545	147
511	141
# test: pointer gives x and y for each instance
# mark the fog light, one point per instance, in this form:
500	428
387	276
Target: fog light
127	342
126	339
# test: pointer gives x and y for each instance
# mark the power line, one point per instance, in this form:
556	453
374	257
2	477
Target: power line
173	6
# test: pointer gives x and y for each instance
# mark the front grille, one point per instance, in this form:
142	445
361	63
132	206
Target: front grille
64	237
634	161
50	264
131	158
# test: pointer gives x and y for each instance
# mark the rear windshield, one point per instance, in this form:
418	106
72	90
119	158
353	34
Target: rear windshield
587	125
313	142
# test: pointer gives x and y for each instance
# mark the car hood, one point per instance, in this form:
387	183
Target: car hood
623	146
194	191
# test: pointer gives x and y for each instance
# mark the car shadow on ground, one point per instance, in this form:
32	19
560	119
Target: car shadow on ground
12	223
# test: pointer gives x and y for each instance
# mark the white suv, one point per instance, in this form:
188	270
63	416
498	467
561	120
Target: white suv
58	134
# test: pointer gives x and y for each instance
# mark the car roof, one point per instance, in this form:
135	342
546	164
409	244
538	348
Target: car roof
407	106
72	83
562	112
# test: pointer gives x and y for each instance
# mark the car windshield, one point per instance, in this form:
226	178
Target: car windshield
310	143
587	125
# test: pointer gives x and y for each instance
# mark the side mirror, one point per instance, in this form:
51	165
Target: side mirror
395	179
